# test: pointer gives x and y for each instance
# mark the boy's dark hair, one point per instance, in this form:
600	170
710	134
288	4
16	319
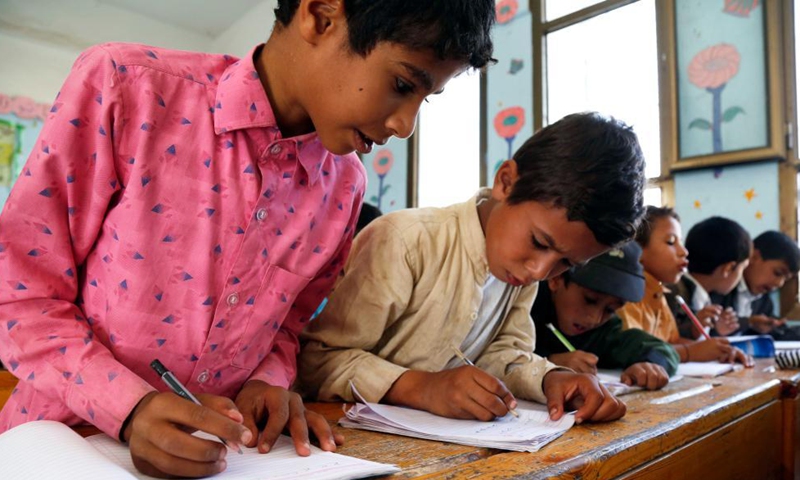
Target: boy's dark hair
590	165
453	29
775	245
367	215
651	214
716	241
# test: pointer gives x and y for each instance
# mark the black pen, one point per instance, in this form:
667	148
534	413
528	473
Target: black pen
177	387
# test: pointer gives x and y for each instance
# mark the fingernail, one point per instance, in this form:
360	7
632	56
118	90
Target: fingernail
553	412
513	404
265	447
247	435
307	445
578	420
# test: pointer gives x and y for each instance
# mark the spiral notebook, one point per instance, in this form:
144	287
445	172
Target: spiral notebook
528	433
46	449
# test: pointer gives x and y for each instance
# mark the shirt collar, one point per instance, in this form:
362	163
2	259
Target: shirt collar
240	100
241	103
700	297
744	291
471	231
652	287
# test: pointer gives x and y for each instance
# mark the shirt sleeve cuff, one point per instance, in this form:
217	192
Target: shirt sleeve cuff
104	393
526	381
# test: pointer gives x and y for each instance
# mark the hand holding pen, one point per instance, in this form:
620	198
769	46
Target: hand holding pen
466	360
158	435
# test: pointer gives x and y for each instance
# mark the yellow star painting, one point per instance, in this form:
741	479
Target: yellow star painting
750	194
697	204
759	215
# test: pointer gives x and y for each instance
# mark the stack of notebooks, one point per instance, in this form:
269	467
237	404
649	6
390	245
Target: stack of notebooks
532	430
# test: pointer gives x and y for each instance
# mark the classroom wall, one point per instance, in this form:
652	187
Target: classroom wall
37	51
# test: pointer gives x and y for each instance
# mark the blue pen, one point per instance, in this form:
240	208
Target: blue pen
177	387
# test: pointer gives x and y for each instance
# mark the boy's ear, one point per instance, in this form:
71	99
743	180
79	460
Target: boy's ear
555	283
316	18
755	256
504	180
726	269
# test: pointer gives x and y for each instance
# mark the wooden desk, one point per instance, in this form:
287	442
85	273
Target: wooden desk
743	428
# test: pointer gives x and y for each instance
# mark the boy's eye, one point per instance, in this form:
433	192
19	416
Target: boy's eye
403	87
590	301
537	244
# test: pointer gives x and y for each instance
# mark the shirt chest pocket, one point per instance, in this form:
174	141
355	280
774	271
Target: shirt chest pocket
278	292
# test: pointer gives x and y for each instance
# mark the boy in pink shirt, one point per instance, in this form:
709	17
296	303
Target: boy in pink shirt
197	208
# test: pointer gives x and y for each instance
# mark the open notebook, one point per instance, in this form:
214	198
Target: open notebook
611	379
46	449
528	433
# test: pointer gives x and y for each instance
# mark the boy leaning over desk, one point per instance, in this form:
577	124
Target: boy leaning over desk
420	282
196	208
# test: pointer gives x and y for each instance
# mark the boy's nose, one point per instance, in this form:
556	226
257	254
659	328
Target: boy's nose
402	122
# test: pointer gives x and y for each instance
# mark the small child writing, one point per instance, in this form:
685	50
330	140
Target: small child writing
775	260
664	259
719	251
581	303
423	281
196	208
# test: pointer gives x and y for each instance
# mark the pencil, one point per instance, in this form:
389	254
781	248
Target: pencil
466	360
694	319
561	337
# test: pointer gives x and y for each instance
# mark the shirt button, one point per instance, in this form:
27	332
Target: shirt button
275	150
474	316
203	377
233	299
261	214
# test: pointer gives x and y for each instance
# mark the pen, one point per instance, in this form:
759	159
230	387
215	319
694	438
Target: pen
561	337
694	319
466	360
177	387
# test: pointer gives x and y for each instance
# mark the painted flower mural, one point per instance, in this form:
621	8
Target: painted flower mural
507	123
711	69
740	8
382	163
505	10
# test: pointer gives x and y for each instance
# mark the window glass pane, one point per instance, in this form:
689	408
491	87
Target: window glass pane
652	196
609	64
559	8
449	143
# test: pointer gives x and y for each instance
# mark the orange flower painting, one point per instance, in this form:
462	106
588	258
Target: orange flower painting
507	123
505	10
382	163
711	69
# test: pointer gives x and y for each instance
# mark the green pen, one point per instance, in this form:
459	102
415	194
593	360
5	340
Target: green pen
561	337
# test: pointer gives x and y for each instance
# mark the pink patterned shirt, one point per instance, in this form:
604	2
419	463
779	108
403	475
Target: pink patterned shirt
162	215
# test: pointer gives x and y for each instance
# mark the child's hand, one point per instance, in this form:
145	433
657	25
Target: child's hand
464	392
717	348
646	375
709	315
161	444
765	324
580	361
581	391
741	357
727	322
279	408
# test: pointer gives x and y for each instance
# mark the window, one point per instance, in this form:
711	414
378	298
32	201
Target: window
449	143
606	60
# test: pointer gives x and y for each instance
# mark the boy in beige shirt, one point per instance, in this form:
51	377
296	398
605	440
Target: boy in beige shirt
420	282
